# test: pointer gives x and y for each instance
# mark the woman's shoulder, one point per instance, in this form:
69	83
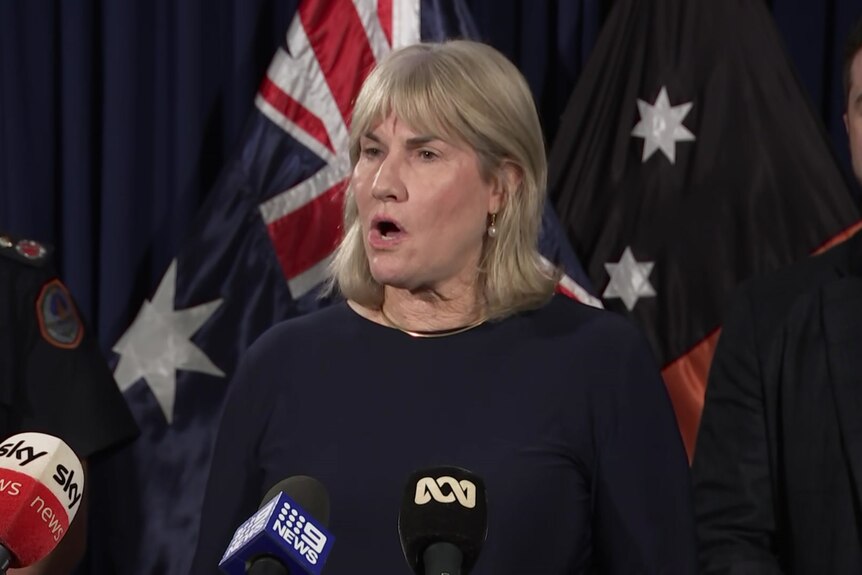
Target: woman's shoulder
297	343
592	338
330	322
563	315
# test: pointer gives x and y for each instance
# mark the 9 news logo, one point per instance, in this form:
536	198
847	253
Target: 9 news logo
463	491
252	526
300	533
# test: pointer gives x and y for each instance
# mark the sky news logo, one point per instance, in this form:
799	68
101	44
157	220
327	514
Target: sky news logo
445	489
300	533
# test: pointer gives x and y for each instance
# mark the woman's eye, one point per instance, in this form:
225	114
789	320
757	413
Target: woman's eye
370	152
427	155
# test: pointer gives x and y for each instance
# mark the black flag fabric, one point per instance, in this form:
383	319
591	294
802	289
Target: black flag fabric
689	159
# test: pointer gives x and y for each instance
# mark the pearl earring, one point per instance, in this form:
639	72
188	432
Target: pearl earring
492	228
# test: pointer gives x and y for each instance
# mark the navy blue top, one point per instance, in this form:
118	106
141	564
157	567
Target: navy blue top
562	411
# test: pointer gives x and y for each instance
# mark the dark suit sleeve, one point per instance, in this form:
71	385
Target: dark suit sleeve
234	487
731	469
643	516
64	386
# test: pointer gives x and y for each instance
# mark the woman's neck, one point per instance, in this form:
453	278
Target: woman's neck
428	311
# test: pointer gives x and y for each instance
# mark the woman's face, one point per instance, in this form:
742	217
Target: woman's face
423	207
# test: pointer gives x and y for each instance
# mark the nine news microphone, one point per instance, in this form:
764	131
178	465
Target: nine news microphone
443	521
287	535
41	486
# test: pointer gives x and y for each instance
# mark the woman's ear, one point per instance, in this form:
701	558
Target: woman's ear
508	180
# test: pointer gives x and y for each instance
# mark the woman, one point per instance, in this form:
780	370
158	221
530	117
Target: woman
452	349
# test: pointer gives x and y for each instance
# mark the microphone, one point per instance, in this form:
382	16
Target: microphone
287	535
41	486
443	521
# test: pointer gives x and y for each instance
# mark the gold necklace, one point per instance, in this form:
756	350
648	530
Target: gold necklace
441	333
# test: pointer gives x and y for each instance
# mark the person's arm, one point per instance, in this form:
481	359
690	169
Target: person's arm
643	521
234	487
67	390
69	551
734	504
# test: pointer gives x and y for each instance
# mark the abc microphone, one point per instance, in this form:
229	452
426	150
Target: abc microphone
443	521
41	486
287	535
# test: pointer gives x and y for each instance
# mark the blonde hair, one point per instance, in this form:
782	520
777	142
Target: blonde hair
469	92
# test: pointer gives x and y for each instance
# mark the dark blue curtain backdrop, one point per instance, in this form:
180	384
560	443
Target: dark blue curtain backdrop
116	115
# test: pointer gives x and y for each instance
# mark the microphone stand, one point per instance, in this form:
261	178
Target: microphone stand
442	558
265	566
5	559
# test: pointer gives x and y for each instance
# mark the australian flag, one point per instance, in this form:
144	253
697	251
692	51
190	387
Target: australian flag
688	160
257	253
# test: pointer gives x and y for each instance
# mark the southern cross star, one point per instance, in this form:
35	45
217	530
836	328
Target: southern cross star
629	280
661	126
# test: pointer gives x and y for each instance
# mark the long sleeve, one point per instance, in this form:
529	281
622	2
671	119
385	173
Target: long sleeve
731	470
235	480
643	518
53	375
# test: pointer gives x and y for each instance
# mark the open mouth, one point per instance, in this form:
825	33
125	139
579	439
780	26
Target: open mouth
387	229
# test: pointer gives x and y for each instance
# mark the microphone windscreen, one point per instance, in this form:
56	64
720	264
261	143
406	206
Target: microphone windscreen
287	534
443	504
41	486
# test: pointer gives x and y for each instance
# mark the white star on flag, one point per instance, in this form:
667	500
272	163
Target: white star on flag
629	279
158	343
661	126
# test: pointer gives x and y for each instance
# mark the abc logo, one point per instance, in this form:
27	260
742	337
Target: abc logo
446	490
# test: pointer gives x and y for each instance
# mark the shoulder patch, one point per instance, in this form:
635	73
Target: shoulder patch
26	251
59	321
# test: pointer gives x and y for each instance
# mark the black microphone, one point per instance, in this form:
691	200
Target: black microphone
287	535
443	521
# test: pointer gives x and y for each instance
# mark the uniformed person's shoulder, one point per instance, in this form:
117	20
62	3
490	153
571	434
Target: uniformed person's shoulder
28	281
14	250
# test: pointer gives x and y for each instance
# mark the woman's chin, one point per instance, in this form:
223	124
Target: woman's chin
397	283
390	278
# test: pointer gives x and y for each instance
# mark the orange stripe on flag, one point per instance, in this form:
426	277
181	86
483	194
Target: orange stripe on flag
839	238
685	379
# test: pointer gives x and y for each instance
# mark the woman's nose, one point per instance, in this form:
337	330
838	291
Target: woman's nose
388	184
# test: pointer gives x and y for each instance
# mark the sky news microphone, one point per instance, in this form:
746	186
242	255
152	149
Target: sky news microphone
287	535
443	520
41	486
